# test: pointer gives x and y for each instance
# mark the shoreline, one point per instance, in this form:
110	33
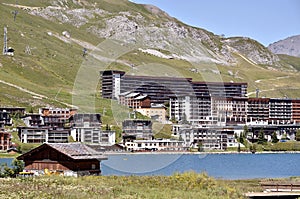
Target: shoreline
198	153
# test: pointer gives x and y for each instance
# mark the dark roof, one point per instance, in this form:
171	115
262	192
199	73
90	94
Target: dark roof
76	151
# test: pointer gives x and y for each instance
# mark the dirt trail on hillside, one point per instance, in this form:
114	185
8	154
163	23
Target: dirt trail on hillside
34	95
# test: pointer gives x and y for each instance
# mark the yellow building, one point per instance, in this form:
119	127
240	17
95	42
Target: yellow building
156	112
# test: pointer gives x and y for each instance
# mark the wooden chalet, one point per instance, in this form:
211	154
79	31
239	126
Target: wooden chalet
68	159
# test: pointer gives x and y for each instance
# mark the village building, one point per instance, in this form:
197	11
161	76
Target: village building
155	145
42	134
5	140
5	118
33	119
137	129
206	138
14	111
155	112
86	127
134	100
63	114
68	159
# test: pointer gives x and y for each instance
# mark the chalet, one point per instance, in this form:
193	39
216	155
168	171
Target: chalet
68	159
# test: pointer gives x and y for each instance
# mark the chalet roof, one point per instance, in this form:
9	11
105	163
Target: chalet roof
76	151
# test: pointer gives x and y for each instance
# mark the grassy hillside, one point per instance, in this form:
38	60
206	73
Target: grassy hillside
47	75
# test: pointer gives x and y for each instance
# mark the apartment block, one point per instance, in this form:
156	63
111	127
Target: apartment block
63	114
206	138
220	89
110	83
137	129
296	110
5	140
196	110
161	89
258	111
43	134
239	111
280	111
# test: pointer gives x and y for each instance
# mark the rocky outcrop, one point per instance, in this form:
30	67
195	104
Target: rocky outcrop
157	30
289	46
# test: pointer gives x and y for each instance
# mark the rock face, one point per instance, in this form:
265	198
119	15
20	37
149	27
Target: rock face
289	46
155	29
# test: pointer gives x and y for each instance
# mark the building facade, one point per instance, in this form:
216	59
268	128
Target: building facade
205	138
155	145
280	111
258	111
5	140
68	159
137	129
43	135
161	89
196	110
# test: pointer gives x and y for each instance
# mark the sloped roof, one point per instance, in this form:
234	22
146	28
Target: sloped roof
141	97
76	151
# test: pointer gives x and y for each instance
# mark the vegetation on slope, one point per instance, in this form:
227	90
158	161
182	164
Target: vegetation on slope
186	185
51	68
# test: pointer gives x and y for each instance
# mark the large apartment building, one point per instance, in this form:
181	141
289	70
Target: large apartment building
223	111
296	110
220	89
258	111
191	109
280	111
161	89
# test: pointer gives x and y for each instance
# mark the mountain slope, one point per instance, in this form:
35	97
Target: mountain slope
118	34
289	46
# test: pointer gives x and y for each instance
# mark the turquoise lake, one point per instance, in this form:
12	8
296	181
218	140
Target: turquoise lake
226	166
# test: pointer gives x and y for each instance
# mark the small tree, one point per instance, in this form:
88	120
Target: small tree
274	137
200	147
261	137
16	167
246	131
298	135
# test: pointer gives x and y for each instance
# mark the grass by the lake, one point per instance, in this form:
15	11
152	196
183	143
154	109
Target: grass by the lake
186	185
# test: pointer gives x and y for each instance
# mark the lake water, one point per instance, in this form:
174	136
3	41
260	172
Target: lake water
6	161
226	166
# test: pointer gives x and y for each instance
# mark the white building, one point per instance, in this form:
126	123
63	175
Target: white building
155	145
93	135
206	137
195	110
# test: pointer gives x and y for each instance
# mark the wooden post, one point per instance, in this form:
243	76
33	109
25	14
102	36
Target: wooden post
276	187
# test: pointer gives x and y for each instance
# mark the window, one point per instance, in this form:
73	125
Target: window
93	166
